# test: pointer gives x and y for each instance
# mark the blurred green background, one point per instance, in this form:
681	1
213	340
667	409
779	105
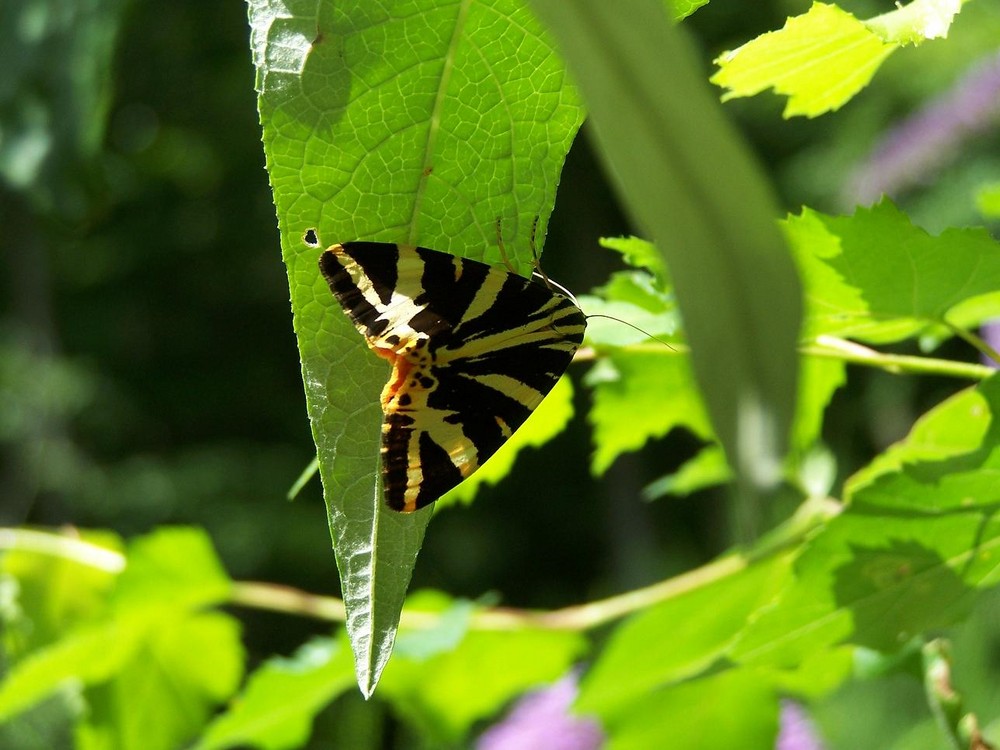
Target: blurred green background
148	371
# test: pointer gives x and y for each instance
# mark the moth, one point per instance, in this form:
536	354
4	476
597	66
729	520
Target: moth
474	349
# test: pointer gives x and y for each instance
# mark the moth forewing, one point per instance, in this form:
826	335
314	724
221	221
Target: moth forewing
474	349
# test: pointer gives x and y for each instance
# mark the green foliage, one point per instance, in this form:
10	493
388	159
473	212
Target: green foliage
424	122
822	58
153	664
282	697
878	278
445	678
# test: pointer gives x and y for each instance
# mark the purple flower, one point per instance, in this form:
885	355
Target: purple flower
990	331
542	721
911	152
797	731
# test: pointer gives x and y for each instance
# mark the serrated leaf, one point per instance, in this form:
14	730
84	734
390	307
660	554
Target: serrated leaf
640	253
707	469
876	277
406	121
677	638
916	21
819	60
949	461
668	145
282	697
639	396
876	581
544	423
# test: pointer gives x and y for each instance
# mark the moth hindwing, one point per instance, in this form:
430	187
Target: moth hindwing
474	349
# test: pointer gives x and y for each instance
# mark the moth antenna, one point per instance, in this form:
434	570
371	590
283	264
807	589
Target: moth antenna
538	263
503	250
657	339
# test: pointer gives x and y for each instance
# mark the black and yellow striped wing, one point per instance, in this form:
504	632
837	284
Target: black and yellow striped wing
473	350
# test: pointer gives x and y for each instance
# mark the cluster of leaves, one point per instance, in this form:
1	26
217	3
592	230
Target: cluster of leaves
843	589
125	644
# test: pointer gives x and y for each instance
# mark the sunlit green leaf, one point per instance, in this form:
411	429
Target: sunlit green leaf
282	697
172	568
877	581
948	461
638	396
415	122
708	468
444	693
874	276
162	696
678	638
55	592
733	709
640	253
88	654
819	60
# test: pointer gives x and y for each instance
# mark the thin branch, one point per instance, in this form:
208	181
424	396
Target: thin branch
831	347
292	601
975	341
62	546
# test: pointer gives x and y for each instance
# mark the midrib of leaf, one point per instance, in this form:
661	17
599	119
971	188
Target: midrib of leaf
435	118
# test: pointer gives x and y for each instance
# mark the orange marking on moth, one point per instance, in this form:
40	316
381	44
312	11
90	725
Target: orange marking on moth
402	366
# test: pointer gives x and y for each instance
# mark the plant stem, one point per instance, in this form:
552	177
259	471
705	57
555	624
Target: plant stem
292	601
831	347
849	351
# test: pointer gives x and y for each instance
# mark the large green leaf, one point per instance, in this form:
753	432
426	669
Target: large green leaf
163	695
909	554
405	121
949	461
877	277
728	710
688	180
678	638
877	581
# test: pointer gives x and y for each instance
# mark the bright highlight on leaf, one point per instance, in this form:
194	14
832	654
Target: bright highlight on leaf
818	60
821	59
